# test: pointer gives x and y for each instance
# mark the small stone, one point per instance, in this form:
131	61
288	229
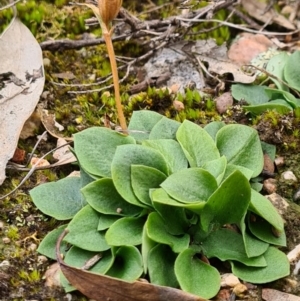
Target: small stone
32	247
288	176
52	276
178	105
279	161
42	259
296	196
240	290
46	62
269	185
268	164
223	102
229	279
1	225
4	264
5	240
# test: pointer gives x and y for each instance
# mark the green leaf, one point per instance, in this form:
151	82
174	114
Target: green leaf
141	123
47	246
127	155
161	266
216	168
280	106
165	128
291	70
83	231
128	264
157	231
105	221
287	96
160	196
196	143
264	208
147	245
104	198
229	202
213	127
77	257
175	223
240	144
190	185
253	95
276	66
277	267
95	148
171	151
125	231
195	276
253	246
228	245
264	231
61	199
230	168
144	178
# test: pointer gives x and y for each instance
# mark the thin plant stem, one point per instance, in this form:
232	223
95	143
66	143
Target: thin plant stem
114	70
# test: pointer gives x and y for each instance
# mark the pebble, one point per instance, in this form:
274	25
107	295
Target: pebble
270	185
229	279
46	62
223	102
296	196
42	259
240	290
288	176
279	161
178	105
1	225
4	264
32	247
5	240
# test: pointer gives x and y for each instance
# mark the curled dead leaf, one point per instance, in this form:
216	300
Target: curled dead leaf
100	287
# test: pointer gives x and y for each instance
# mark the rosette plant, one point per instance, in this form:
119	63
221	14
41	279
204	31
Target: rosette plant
166	203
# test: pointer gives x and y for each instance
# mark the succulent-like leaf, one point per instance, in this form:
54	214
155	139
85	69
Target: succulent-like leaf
196	143
229	203
47	246
105	221
240	145
217	168
128	263
144	178
125	231
213	127
104	198
228	245
291	70
171	151
161	266
165	128
83	231
264	208
141	123
61	199
195	276
277	267
190	185
95	148
157	231
127	155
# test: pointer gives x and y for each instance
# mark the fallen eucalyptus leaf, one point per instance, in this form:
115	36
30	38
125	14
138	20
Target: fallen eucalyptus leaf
21	84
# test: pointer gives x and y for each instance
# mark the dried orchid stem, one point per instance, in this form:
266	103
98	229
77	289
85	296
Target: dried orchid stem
114	71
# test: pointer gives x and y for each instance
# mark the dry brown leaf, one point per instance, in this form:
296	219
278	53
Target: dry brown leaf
216	57
52	126
99	287
63	155
259	10
21	84
274	295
